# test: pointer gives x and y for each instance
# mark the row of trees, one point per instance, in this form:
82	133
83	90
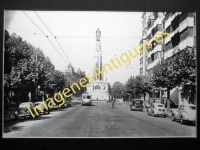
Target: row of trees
178	70
175	71
26	68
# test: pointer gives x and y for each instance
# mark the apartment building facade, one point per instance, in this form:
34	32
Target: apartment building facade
182	29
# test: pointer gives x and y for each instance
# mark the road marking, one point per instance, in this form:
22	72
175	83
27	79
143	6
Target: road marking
110	125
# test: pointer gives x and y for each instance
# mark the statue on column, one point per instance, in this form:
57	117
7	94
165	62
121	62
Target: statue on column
98	34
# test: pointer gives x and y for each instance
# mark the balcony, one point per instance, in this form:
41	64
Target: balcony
157	21
188	22
168	53
168	22
174	32
171	52
167	39
189	41
155	62
156	49
149	30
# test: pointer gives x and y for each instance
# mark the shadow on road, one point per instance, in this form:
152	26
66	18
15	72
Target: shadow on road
90	105
13	125
186	123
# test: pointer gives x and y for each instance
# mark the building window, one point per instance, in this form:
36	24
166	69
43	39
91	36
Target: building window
187	32
152	57
183	17
156	29
156	56
168	46
167	16
169	29
156	15
97	87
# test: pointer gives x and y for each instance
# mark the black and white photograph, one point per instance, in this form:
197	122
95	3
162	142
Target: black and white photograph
99	74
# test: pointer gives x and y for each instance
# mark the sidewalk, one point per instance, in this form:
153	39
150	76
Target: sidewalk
8	118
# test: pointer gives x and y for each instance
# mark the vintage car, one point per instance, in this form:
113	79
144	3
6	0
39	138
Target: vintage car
23	111
40	106
86	99
66	104
185	113
137	105
157	109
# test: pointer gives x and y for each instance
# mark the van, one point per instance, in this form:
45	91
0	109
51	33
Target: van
86	99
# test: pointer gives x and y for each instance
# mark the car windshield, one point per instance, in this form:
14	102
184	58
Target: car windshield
192	107
159	105
88	97
24	104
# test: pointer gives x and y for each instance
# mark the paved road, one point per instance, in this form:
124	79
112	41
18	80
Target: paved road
99	120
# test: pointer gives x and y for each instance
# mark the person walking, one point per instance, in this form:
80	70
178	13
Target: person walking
113	102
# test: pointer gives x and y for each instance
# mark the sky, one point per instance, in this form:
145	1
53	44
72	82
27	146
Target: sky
76	33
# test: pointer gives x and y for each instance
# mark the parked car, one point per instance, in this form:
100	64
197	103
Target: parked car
66	104
108	100
86	99
40	105
157	109
23	111
136	105
185	113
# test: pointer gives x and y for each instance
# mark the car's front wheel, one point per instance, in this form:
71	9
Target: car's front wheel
154	114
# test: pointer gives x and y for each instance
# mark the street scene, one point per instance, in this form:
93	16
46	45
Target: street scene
70	74
98	120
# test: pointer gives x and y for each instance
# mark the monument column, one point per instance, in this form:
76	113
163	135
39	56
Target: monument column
98	50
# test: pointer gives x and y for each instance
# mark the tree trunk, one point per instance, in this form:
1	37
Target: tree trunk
149	98
160	96
144	96
168	100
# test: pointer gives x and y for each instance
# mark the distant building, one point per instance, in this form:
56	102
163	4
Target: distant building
71	76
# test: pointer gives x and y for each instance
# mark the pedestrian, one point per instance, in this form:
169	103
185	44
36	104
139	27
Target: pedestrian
113	102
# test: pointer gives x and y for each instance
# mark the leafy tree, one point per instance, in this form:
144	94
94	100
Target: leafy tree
181	67
117	89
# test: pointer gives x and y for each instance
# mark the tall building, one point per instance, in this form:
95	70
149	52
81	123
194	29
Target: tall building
152	24
182	29
145	17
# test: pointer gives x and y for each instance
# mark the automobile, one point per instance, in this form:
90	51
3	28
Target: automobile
40	105
22	112
108	100
86	99
137	105
66	104
185	113
157	109
69	103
